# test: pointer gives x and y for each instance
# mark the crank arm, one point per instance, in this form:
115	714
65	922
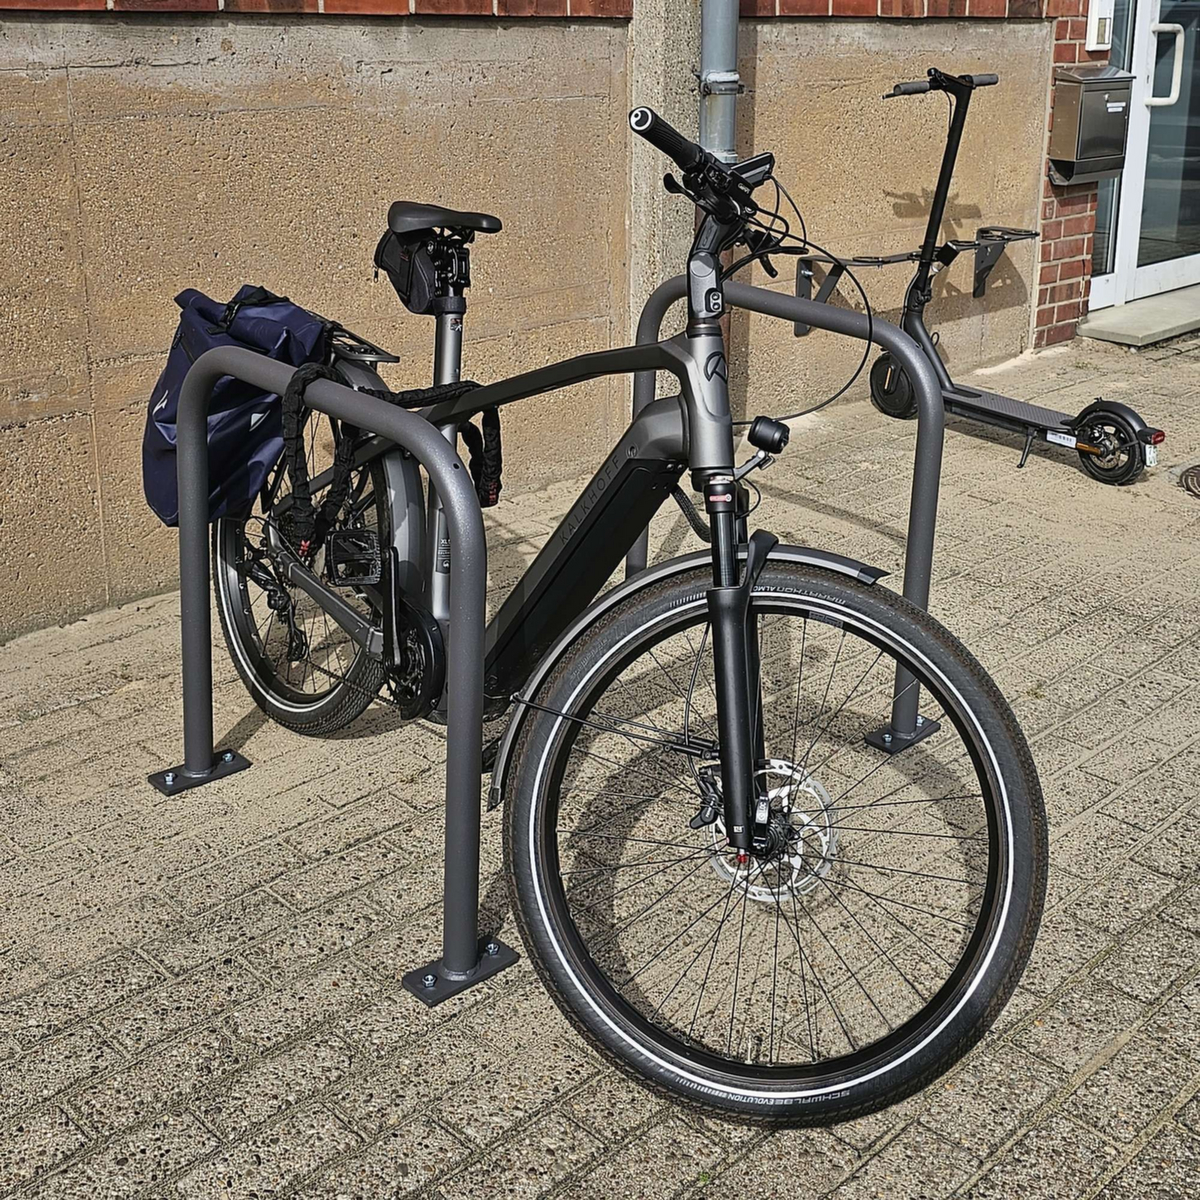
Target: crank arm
296	573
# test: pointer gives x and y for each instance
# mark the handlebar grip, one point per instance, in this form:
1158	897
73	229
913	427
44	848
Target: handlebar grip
983	80
916	88
665	137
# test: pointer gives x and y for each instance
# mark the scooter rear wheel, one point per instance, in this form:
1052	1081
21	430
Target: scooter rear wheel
891	391
1122	457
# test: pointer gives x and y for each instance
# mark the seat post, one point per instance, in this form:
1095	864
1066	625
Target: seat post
447	342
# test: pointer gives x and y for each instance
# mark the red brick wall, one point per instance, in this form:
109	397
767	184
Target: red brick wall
391	8
1068	213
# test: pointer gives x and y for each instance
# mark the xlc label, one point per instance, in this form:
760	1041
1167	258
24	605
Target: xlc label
443	556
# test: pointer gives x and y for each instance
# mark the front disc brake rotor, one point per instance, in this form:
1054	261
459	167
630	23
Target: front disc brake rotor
803	834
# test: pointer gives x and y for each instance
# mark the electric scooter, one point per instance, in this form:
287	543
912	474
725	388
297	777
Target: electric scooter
1113	442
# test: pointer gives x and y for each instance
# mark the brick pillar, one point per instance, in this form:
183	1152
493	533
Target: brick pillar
1068	213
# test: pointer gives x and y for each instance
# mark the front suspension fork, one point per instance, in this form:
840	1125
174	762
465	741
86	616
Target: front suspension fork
735	656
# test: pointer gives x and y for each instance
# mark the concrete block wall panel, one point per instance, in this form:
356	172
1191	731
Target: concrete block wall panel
863	169
143	154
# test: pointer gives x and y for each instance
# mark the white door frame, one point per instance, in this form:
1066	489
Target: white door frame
1127	281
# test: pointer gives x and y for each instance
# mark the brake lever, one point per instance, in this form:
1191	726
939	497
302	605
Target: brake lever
761	243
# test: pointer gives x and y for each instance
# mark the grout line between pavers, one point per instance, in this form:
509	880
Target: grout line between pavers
1098	1060
320	1098
1165	1116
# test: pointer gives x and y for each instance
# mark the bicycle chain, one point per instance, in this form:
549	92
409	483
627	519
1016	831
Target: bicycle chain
348	682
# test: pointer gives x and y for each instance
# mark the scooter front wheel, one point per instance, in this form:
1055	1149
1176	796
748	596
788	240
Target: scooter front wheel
881	921
891	390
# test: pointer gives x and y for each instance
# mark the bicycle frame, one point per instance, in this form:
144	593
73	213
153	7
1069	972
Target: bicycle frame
667	436
694	431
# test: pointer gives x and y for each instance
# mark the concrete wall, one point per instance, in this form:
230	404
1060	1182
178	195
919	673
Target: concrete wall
863	169
142	155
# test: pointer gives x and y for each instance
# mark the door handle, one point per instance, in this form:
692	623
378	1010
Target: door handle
1176	69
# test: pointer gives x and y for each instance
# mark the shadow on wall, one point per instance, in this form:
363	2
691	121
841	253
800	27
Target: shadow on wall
863	172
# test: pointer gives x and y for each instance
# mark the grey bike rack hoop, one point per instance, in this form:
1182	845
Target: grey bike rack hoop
907	727
465	959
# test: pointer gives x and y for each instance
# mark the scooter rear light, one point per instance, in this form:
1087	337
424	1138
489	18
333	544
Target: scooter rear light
1152	437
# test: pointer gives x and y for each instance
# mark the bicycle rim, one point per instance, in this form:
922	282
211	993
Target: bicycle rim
298	669
825	965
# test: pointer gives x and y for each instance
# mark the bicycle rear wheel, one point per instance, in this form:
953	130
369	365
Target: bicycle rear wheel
877	936
300	666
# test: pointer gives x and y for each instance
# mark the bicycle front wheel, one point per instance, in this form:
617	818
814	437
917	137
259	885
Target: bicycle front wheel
872	939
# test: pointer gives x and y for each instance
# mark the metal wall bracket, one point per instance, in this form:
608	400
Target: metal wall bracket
987	255
990	243
804	279
720	83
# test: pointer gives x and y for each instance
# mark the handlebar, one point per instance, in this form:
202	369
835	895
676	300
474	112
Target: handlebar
940	82
665	137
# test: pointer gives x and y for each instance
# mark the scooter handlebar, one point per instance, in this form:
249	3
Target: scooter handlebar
916	88
939	82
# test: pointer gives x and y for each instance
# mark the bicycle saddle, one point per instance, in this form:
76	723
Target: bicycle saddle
406	217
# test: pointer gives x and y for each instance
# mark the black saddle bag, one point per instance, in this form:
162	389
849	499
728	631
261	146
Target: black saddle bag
406	261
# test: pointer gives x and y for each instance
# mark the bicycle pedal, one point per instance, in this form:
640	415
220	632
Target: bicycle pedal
352	557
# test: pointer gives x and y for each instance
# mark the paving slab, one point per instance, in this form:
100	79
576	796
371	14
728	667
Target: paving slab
200	997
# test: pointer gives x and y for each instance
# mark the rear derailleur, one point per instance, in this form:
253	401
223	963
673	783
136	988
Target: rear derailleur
256	565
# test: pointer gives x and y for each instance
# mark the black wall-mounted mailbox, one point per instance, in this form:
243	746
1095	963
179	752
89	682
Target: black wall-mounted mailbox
1091	121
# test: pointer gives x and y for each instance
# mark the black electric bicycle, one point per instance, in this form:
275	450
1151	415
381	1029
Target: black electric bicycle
1114	443
724	886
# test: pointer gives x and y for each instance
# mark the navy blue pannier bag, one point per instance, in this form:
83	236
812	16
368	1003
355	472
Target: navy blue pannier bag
245	427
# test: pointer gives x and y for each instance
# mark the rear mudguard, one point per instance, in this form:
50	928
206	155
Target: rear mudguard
1112	406
652	575
406	496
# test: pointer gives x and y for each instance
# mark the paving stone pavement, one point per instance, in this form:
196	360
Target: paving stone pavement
200	996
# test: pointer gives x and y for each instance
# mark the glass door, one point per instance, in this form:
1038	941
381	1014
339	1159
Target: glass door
1148	227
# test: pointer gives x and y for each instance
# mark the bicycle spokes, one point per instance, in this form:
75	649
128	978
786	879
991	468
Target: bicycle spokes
858	898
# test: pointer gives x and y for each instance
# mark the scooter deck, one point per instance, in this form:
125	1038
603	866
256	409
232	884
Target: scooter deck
973	402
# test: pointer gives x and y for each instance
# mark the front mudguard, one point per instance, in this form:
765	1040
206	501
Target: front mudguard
652	575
